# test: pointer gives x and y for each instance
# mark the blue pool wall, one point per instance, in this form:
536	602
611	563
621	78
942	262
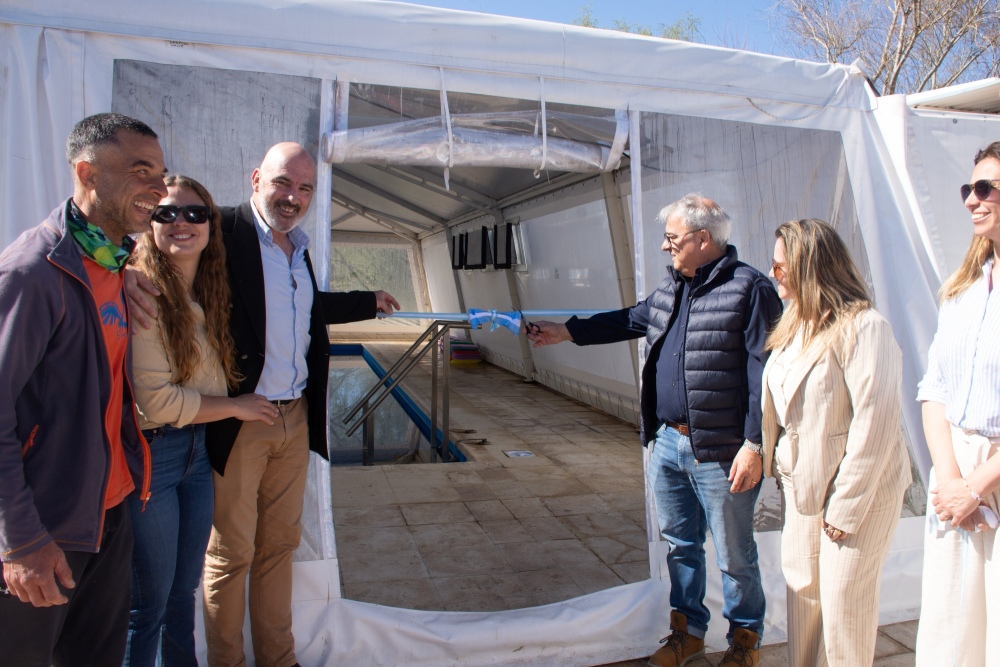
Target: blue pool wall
412	410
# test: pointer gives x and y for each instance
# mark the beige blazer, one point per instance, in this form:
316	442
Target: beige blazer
843	424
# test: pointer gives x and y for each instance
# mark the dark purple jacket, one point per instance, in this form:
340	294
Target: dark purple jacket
55	385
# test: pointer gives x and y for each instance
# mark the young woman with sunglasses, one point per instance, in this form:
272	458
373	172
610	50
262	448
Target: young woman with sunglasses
183	367
832	402
960	605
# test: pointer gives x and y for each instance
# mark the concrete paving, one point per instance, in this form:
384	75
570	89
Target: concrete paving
496	532
500	532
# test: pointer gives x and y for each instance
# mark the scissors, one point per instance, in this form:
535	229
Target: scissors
529	327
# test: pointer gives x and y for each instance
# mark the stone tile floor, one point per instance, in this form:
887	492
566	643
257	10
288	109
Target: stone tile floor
502	533
496	532
893	648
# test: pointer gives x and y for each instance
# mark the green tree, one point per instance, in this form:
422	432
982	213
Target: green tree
586	17
686	28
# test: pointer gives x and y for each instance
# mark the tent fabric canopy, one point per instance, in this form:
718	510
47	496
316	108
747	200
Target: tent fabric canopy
290	65
388	31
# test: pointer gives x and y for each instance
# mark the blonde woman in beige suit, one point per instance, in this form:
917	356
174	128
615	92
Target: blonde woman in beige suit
832	438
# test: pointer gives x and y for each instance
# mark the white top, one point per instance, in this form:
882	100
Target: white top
963	363
288	299
781	364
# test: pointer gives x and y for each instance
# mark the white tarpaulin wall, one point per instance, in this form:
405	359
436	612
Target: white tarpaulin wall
57	60
933	150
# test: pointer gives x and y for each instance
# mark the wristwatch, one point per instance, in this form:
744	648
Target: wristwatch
754	447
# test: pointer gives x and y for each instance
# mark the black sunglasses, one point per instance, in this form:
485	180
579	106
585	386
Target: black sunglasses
168	213
981	188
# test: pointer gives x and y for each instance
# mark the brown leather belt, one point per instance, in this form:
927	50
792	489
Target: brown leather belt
680	428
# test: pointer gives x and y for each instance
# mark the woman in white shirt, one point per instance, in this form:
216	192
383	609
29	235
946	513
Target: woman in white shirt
960	605
183	366
832	437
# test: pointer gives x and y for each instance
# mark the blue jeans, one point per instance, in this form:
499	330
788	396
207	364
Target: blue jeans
693	497
171	535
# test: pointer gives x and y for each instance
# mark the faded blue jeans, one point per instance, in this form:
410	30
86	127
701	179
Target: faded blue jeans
171	535
693	497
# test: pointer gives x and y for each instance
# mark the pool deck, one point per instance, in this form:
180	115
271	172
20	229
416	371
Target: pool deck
497	533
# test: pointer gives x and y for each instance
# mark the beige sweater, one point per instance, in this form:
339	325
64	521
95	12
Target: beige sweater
158	399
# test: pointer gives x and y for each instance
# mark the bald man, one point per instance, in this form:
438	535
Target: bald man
278	324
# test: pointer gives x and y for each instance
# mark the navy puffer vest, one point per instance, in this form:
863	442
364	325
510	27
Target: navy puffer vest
715	355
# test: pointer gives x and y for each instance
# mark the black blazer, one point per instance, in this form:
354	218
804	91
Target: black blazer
247	324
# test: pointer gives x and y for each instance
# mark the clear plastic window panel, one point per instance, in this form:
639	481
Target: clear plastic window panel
407	126
374	267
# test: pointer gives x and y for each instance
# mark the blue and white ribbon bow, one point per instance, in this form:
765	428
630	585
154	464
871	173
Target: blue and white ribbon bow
496	319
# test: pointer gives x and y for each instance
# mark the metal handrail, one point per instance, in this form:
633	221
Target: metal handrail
399	362
370	402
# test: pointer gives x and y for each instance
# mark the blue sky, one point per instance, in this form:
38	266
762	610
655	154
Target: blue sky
739	23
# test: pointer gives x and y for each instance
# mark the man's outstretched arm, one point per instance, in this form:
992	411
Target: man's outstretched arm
344	307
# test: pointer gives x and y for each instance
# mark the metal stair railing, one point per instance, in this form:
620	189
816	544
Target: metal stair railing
437	331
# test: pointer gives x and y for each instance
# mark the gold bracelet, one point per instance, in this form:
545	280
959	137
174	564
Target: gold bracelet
972	493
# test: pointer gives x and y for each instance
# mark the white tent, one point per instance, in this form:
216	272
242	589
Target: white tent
394	94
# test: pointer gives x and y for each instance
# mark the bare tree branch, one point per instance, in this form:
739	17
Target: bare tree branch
902	45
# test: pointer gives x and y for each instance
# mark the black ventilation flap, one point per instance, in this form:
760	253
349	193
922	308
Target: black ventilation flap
478	254
503	246
459	249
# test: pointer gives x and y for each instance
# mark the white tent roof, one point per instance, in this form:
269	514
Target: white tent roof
387	42
393	31
976	96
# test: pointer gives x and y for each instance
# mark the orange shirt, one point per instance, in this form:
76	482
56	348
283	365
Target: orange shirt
108	297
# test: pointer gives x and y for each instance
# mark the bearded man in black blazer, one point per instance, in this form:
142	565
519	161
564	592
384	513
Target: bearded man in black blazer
261	469
278	324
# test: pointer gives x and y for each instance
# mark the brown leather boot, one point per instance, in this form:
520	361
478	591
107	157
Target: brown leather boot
744	651
679	648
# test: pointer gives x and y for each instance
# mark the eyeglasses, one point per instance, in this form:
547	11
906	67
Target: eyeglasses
981	188
673	240
778	269
168	213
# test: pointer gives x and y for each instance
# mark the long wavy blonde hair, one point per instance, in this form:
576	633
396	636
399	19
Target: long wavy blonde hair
979	250
828	289
211	290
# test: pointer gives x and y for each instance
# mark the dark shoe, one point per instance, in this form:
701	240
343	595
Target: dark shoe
679	648
744	651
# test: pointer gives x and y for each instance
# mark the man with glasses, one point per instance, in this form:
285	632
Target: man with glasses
70	445
705	327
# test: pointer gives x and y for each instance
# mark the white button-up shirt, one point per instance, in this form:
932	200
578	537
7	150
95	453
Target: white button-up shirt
963	364
288	304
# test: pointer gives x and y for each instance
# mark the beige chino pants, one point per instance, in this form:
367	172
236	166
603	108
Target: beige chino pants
257	526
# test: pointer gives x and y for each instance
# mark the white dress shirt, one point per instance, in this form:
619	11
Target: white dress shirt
963	363
288	305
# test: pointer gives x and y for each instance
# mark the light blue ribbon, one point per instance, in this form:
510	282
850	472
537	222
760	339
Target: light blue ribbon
510	320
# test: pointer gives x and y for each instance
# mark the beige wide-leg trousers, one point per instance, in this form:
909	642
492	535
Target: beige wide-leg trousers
257	526
833	588
960	599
